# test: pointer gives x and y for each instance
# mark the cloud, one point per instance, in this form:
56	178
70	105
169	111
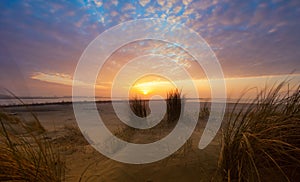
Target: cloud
65	79
128	6
57	78
161	2
144	2
98	3
152	84
186	2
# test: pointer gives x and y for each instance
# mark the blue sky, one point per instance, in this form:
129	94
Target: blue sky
250	38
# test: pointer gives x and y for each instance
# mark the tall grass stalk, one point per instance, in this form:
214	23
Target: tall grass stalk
138	106
173	105
26	155
261	141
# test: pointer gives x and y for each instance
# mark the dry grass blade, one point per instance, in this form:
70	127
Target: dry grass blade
26	156
138	106
263	140
173	105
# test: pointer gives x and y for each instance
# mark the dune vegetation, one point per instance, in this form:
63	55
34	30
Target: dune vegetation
25	153
174	105
138	106
261	141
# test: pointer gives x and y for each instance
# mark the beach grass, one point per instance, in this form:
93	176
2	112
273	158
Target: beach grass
204	111
261	141
25	154
174	105
138	106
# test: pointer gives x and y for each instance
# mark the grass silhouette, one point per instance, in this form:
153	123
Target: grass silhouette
174	106
138	106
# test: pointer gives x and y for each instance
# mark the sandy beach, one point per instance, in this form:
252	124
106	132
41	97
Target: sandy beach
85	163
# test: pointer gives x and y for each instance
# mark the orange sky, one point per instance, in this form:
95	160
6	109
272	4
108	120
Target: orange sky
150	84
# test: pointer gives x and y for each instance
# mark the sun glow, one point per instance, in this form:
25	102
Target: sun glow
145	92
149	86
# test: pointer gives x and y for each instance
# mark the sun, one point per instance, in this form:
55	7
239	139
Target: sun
148	86
145	92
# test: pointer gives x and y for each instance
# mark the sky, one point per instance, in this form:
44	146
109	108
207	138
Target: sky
255	41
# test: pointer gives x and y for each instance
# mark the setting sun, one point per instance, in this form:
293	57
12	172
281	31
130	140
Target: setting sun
145	92
150	85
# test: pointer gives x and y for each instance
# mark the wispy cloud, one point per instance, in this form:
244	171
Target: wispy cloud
65	79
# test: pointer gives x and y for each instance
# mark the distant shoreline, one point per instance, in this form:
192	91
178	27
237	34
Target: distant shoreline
53	103
89	102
